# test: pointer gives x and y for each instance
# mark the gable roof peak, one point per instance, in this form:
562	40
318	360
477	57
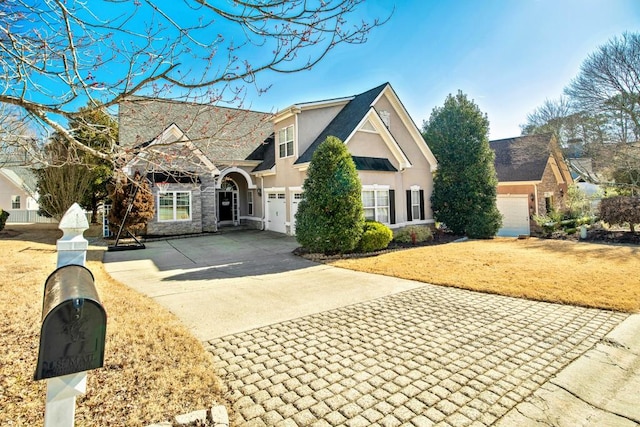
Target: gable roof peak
345	121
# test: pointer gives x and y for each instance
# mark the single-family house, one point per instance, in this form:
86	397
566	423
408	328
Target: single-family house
212	166
533	178
18	193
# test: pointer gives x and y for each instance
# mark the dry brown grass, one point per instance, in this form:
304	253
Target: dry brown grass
153	369
585	274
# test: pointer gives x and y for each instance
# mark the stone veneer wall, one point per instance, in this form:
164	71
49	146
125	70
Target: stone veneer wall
549	185
208	204
169	228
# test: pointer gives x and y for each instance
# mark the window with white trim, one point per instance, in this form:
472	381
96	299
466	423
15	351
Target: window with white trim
415	204
250	203
285	142
15	202
174	206
376	204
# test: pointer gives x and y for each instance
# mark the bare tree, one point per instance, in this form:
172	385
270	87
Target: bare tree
609	82
57	55
578	133
599	116
63	182
550	117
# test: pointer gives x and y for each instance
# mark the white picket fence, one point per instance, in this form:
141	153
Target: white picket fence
27	217
24	216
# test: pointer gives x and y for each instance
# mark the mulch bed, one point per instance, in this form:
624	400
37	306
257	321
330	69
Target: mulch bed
613	236
438	239
599	235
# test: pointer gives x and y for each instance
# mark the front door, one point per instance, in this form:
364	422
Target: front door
225	205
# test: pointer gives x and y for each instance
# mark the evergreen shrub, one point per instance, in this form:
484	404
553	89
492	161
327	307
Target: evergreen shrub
421	233
3	218
375	237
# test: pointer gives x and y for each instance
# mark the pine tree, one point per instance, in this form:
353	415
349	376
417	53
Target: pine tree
465	184
330	216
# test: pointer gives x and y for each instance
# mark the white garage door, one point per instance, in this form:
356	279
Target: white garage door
277	210
294	209
515	213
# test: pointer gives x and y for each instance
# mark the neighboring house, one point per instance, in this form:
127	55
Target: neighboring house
586	179
18	193
533	179
213	166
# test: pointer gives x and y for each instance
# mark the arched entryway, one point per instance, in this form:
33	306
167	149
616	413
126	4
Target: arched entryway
228	208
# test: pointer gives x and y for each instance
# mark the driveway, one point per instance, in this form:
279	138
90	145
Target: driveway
231	282
304	344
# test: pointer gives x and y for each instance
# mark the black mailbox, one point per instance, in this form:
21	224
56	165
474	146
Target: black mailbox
74	324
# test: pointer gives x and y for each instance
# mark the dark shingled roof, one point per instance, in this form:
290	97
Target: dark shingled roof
346	121
265	152
222	134
373	164
523	158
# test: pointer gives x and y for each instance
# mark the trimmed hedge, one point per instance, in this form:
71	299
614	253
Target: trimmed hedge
375	237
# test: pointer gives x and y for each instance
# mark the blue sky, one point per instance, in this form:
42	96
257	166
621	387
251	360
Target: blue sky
507	55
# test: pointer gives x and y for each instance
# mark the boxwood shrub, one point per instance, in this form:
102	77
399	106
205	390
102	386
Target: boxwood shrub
375	237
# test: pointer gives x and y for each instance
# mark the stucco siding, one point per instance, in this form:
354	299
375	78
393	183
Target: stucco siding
312	122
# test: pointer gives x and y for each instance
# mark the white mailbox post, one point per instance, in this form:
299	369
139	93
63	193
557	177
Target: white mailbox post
73	326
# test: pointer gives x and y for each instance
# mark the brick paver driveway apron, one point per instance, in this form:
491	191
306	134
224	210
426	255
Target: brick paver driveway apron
429	356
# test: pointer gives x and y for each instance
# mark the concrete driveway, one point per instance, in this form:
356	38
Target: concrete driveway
231	282
301	344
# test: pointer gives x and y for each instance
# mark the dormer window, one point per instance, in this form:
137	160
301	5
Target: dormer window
386	118
285	141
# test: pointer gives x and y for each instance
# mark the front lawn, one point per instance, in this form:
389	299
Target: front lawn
153	369
585	274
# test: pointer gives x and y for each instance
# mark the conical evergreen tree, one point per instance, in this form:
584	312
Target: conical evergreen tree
465	184
330	216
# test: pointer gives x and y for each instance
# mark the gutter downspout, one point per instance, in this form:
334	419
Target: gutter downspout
264	205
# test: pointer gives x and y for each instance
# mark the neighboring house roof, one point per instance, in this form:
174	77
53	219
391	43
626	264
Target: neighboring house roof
582	170
346	121
21	177
222	134
523	158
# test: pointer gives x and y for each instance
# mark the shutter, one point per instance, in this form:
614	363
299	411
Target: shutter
392	206
409	213
421	204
